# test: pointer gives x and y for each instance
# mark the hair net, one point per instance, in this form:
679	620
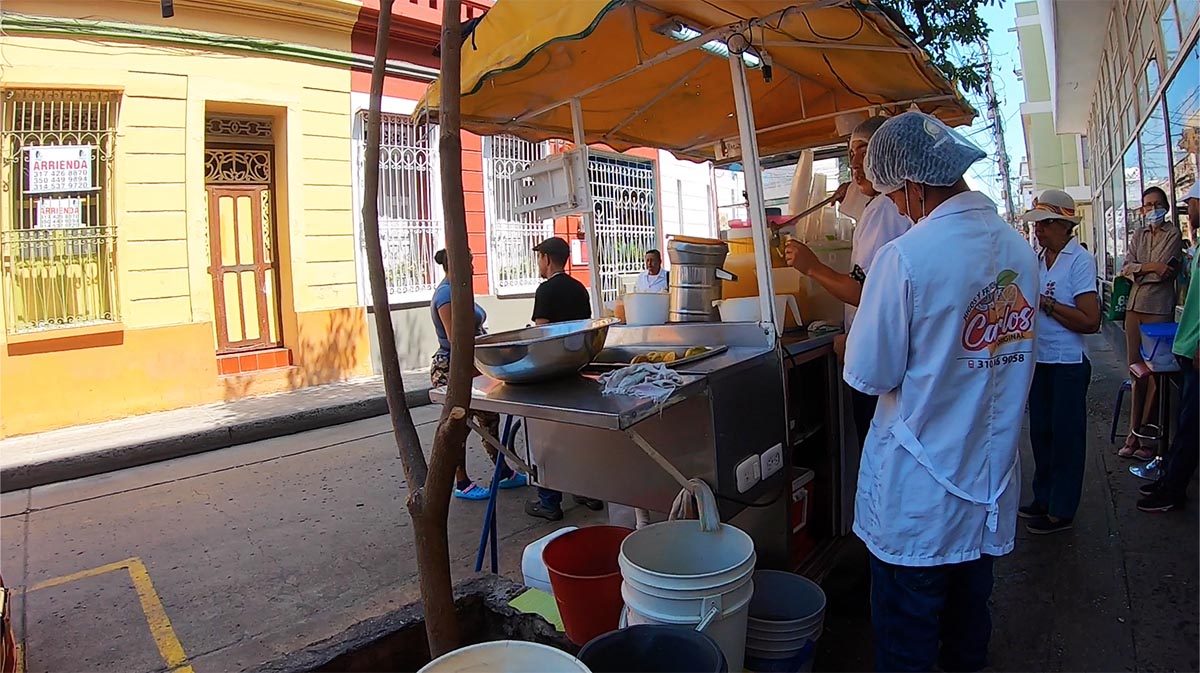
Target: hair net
918	148
864	131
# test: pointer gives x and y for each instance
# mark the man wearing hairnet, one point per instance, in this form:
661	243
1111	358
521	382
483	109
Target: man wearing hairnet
944	337
878	223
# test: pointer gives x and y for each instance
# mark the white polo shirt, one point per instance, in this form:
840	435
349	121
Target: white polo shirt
648	283
1073	274
881	222
945	337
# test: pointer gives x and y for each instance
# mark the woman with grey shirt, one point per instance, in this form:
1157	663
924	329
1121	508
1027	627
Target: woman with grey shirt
1155	254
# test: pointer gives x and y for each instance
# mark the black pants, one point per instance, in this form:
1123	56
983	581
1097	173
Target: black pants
931	616
1058	435
862	406
1181	459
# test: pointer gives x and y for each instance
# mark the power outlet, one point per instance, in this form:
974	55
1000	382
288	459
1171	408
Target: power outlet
749	473
772	461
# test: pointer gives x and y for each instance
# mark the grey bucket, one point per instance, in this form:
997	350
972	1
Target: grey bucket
787	615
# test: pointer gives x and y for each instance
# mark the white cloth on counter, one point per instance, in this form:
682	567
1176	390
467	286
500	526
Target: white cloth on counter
651	381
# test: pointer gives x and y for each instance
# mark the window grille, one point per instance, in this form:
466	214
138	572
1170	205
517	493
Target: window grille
410	226
58	239
623	194
511	236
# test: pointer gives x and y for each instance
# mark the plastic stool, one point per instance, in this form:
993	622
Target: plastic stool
1112	433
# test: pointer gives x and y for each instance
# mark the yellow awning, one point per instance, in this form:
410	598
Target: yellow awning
639	87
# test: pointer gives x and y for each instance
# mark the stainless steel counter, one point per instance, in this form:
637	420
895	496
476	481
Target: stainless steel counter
576	401
801	342
579	400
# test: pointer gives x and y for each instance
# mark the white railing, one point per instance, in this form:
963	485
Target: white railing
410	225
512	264
623	192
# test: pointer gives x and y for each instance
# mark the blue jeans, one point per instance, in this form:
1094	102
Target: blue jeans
931	616
1058	428
551	500
1181	459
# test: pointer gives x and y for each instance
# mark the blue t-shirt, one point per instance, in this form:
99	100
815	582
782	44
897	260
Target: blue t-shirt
441	297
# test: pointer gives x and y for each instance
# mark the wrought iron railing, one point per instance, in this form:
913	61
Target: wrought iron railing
59	277
410	227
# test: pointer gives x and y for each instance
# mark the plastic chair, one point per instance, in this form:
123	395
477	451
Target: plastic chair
1127	385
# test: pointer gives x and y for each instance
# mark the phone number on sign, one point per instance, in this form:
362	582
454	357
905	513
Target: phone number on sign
996	361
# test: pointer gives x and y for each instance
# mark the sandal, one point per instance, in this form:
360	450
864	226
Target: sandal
1131	447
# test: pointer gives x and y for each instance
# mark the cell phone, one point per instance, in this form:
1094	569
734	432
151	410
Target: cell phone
1173	263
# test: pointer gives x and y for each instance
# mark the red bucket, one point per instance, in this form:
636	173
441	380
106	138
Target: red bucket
586	579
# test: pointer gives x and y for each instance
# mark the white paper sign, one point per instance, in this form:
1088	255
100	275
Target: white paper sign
59	168
59	213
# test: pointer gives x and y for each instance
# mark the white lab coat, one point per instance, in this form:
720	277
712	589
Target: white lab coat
946	339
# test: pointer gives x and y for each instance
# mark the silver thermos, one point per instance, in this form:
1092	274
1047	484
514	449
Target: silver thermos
695	278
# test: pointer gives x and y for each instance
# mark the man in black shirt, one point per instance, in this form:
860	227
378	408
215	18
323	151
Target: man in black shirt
558	299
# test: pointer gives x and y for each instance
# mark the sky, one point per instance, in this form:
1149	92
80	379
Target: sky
1006	60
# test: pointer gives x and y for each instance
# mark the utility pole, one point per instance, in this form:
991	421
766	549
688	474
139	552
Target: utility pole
997	120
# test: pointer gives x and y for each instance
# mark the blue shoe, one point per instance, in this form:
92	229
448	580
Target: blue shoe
517	480
472	492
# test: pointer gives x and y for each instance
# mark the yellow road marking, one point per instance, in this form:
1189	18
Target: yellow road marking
161	630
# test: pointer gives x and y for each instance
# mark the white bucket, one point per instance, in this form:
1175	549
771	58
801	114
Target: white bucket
506	656
647	308
677	573
533	568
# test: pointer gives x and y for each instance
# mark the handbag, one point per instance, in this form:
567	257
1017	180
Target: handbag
1120	298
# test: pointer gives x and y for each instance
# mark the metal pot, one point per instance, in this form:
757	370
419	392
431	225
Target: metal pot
696	276
543	352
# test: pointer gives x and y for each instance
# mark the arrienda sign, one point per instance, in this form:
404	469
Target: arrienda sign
59	168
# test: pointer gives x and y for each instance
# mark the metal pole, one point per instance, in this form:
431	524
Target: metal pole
754	190
589	215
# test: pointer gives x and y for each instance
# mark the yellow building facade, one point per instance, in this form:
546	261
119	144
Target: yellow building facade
176	214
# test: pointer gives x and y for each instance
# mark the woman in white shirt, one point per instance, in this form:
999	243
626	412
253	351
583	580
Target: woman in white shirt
1058	397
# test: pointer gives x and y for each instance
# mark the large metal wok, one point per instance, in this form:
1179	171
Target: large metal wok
543	352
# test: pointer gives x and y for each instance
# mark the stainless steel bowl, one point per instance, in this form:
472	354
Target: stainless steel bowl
542	352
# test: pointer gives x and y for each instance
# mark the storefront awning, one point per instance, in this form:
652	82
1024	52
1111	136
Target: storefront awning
655	73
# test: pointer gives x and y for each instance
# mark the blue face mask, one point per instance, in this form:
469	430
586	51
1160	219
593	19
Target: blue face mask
1156	217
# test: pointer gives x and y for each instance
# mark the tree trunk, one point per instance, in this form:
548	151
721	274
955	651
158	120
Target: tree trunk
450	441
429	484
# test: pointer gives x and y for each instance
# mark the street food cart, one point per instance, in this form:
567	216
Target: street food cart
763	422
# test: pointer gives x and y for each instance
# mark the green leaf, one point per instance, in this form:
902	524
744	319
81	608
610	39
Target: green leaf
1006	278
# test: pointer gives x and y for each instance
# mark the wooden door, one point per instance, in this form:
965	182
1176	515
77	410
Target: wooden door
245	282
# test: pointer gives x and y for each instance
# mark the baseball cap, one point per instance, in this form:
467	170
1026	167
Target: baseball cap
555	247
1052	204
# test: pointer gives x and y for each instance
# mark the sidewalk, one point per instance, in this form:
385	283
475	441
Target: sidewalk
86	450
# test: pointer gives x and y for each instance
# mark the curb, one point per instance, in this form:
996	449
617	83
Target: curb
111	459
